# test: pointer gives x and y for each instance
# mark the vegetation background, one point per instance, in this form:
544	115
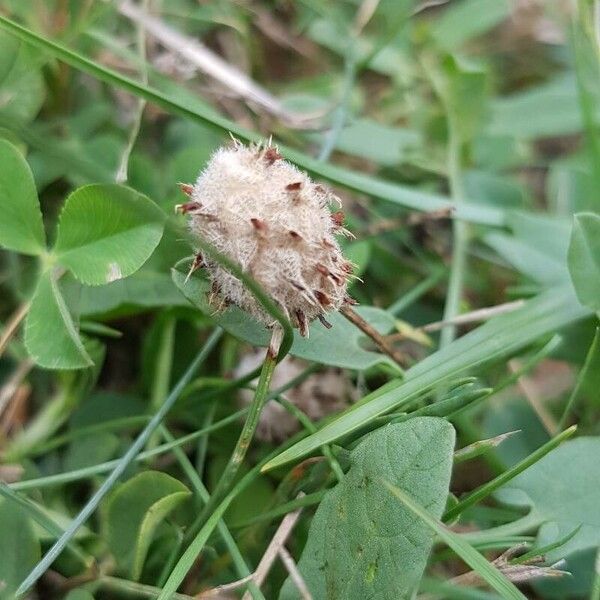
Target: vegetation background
463	139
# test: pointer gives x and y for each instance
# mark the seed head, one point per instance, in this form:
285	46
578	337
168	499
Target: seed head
275	223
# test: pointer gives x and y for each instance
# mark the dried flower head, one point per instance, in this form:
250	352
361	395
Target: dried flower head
273	221
321	394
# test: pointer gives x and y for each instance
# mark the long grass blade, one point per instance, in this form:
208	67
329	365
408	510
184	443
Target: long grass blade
474	559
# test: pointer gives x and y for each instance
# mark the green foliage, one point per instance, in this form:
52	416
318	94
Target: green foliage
584	259
19	547
134	512
51	335
462	139
107	232
561	493
360	535
21	227
340	346
506	333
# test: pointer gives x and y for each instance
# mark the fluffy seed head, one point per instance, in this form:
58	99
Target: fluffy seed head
274	222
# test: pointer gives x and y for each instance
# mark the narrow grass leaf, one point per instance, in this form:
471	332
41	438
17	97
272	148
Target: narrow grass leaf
499	337
474	559
491	486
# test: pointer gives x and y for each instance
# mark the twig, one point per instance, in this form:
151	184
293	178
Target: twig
530	392
10	387
481	314
295	575
279	539
12	325
382	343
211	64
227	478
226	587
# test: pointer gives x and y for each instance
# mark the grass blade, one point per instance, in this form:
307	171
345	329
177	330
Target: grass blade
365	184
491	486
498	337
120	467
474	559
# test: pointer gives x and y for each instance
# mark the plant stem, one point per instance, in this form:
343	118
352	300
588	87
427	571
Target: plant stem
460	231
202	492
243	443
119	469
381	342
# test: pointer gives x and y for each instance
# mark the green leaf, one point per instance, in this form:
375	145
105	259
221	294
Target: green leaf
51	336
79	594
499	337
339	346
144	289
531	114
107	232
476	561
584	259
21	227
134	512
21	82
464	20
364	544
19	548
563	493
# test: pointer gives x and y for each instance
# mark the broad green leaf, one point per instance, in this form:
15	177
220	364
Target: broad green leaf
562	492
341	346
464	89
584	259
485	569
19	548
51	335
466	19
144	289
107	232
499	337
21	227
531	114
362	542
382	144
134	512
527	259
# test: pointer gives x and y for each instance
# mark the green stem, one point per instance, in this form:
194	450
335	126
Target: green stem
243	443
589	359
461	234
202	492
119	469
162	370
